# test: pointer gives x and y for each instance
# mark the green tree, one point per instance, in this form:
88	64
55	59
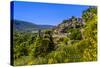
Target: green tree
75	34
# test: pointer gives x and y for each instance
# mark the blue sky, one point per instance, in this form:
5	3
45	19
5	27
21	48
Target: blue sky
46	13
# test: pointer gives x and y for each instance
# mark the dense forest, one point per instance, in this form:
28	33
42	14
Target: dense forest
73	40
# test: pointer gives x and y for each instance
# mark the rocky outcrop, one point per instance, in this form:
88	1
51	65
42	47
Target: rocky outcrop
73	22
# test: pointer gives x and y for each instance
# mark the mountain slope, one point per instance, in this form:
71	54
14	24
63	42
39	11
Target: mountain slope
19	25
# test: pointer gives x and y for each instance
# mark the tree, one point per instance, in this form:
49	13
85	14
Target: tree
43	44
75	34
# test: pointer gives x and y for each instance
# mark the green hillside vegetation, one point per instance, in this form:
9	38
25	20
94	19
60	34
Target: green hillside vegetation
73	40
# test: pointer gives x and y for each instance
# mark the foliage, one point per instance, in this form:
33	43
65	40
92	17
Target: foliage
75	34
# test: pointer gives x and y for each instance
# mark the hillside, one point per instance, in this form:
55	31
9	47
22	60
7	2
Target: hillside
71	23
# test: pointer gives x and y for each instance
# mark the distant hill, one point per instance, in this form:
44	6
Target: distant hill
24	26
